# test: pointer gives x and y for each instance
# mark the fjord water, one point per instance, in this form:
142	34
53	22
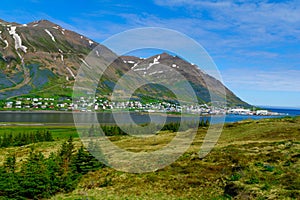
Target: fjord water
107	118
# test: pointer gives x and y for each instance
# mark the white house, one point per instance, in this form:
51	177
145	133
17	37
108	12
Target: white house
262	112
240	111
9	104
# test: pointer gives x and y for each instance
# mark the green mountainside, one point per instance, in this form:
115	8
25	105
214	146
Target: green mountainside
42	59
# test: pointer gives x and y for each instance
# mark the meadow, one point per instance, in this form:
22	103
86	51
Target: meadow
252	160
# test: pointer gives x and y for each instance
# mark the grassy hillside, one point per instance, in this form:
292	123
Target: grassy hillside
252	160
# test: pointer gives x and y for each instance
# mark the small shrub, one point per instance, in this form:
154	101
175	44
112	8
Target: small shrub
252	180
266	186
269	168
258	164
235	177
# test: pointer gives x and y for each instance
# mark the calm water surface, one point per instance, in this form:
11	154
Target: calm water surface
23	117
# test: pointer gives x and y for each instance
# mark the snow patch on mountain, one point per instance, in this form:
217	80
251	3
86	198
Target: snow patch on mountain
175	66
156	72
71	72
155	62
135	65
5	41
50	34
85	63
152	73
140	69
61	55
18	40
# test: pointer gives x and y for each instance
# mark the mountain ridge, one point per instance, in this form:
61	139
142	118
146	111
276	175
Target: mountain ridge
59	53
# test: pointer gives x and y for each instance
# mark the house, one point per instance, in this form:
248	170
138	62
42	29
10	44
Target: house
61	105
262	112
9	104
239	111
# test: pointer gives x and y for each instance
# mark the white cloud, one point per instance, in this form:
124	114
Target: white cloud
251	20
279	80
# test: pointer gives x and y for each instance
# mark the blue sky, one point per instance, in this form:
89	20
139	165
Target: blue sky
255	44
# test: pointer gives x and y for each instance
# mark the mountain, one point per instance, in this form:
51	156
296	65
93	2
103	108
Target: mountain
38	55
200	81
42	58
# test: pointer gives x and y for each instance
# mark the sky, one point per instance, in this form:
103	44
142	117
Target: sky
255	44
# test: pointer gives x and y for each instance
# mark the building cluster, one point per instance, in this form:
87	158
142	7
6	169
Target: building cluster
89	104
84	104
28	103
242	111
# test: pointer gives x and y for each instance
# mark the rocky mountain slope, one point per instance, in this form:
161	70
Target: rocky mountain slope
42	58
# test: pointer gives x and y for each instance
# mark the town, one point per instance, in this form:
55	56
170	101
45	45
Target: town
97	104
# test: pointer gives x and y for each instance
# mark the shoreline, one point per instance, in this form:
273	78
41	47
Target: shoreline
141	113
43	124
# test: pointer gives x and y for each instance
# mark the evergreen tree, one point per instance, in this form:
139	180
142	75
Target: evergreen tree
202	124
64	157
207	123
35	181
10	164
84	162
9	184
5	142
48	136
53	170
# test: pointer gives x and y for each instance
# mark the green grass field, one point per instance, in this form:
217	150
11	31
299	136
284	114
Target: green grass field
252	160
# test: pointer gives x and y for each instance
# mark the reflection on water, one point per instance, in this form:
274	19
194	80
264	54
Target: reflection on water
105	118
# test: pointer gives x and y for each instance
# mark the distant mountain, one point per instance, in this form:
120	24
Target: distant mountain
199	80
42	58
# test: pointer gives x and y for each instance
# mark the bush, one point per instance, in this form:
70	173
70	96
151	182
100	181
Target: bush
20	139
42	177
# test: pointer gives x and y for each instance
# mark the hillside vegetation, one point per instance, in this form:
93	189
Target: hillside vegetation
252	160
